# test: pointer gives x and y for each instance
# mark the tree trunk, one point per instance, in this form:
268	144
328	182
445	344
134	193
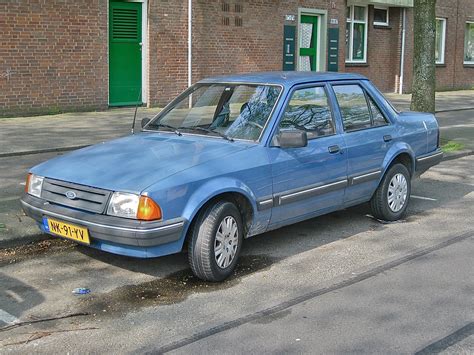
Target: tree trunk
424	80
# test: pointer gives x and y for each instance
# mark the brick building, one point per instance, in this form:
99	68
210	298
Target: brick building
60	55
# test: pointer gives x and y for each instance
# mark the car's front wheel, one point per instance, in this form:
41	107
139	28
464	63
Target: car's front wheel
390	200
215	242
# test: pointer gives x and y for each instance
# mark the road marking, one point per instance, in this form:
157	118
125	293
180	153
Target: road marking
468	125
448	340
11	198
14	295
7	317
23	183
423	198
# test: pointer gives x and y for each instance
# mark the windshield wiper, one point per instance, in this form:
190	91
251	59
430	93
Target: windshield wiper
208	130
174	129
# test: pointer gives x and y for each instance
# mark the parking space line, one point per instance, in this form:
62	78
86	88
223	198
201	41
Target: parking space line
7	318
423	198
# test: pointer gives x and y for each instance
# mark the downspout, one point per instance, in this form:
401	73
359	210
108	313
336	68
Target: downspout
190	41
402	55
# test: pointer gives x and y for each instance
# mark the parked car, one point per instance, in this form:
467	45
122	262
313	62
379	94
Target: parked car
233	157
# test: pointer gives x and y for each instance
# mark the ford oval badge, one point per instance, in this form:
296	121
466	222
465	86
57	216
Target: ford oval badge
71	195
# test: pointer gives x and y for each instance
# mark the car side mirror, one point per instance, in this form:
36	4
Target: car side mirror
145	121
293	138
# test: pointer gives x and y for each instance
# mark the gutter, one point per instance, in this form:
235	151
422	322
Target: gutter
190	41
402	55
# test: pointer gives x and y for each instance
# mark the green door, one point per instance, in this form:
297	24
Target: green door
308	43
125	53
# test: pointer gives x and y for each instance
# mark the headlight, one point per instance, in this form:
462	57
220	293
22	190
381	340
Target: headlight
123	205
34	184
133	206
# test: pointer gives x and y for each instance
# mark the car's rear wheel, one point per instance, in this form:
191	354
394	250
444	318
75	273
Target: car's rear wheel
216	240
390	200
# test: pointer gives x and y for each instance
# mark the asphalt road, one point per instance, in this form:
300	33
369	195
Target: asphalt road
338	283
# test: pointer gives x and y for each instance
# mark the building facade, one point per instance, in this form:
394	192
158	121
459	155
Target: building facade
92	54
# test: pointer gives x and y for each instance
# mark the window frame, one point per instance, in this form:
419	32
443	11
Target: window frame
467	62
384	24
351	33
367	96
330	106
443	41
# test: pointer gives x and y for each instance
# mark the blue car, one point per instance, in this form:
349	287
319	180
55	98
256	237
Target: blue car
233	157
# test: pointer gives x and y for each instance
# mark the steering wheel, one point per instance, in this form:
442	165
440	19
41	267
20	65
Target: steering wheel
255	124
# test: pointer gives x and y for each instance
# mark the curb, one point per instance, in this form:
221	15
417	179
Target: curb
40	151
455	109
22	241
453	156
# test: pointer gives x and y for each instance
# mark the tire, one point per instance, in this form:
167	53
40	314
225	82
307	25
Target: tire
211	236
392	205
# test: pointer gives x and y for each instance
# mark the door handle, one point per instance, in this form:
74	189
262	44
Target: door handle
387	138
334	149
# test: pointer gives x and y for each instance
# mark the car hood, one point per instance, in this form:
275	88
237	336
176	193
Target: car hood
132	163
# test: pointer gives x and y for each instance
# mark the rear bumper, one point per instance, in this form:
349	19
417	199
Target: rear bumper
426	161
108	229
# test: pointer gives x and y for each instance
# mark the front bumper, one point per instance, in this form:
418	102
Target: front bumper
425	162
109	229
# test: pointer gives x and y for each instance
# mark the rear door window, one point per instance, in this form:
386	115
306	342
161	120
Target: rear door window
353	107
358	109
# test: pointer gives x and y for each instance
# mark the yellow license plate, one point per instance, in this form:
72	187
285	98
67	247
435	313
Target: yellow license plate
70	231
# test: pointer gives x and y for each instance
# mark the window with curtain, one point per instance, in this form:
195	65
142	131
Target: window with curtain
469	43
356	34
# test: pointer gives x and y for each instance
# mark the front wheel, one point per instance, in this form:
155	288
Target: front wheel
216	240
390	200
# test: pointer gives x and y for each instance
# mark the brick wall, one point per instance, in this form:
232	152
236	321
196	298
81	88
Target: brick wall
383	51
453	74
53	55
256	45
168	41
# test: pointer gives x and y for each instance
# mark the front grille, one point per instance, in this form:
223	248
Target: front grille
81	197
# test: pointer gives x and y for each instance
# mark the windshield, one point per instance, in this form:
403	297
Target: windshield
232	111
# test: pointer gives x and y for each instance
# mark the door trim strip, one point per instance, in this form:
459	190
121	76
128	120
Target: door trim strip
359	179
265	203
310	192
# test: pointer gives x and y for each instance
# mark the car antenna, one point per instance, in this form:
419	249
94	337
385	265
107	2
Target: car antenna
136	109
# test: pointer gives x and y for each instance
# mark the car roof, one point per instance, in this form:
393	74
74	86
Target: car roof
285	78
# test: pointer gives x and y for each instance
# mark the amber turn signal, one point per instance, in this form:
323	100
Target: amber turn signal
27	185
148	210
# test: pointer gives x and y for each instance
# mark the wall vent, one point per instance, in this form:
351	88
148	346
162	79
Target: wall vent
125	24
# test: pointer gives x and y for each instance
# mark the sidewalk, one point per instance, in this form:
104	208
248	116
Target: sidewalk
445	101
22	135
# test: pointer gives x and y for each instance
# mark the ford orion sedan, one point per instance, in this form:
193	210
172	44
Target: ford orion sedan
233	157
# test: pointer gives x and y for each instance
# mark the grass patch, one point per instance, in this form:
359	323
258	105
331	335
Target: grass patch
451	146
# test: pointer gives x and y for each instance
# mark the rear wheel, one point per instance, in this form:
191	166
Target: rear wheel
216	240
390	200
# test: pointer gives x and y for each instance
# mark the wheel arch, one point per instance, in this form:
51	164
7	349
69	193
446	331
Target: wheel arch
234	191
401	154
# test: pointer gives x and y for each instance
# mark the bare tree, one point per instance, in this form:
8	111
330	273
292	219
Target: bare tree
424	80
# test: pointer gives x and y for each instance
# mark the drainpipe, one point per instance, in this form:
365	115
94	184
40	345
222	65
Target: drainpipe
402	55
190	15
